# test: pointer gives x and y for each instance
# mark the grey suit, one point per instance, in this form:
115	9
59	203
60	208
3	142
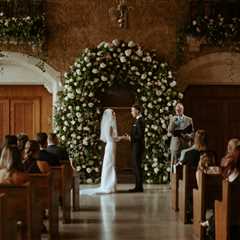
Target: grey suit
179	143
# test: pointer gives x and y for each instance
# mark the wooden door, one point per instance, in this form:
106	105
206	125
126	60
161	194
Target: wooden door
25	116
25	109
215	109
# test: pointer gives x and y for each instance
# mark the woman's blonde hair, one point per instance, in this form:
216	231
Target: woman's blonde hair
5	157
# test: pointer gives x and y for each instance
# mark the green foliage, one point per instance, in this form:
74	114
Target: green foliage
31	30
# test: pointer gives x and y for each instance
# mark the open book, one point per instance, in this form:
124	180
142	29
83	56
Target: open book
179	132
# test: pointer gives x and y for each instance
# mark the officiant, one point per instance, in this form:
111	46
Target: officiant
181	129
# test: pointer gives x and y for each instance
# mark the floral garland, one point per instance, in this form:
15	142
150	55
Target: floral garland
78	111
217	31
31	30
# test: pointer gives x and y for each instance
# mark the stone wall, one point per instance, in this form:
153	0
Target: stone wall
77	24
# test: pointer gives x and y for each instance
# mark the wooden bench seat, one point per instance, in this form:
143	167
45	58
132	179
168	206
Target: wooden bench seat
21	209
46	193
64	185
3	214
75	180
227	211
175	177
186	186
209	190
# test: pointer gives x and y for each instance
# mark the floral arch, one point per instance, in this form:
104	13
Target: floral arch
78	111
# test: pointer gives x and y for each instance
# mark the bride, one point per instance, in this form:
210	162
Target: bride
109	136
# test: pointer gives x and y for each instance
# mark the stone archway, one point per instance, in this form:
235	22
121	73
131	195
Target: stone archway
21	69
222	68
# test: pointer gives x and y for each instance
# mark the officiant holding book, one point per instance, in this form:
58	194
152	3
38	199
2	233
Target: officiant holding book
181	129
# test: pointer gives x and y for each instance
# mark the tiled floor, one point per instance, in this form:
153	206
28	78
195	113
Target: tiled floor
127	216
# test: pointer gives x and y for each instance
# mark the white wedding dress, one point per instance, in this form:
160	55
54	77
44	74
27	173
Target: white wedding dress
108	176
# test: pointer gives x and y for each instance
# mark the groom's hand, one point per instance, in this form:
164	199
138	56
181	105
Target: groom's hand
127	137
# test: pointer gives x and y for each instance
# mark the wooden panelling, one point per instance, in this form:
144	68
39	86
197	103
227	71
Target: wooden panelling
25	109
4	118
215	109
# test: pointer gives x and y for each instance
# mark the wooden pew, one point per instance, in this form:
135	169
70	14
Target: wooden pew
209	189
3	214
23	210
75	184
186	186
227	211
64	180
46	193
75	191
175	177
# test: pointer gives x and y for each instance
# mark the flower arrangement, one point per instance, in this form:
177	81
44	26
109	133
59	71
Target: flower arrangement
28	29
78	112
216	30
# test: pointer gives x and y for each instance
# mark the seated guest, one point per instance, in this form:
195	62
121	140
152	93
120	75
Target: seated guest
11	168
191	157
54	148
231	172
21	141
44	155
207	165
31	162
9	140
231	147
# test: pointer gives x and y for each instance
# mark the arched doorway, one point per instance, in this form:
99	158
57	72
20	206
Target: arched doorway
212	96
28	90
121	99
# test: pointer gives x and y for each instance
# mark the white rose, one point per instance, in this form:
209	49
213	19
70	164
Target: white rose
103	65
89	170
156	170
63	138
150	105
139	52
131	44
101	44
103	78
128	52
95	71
89	181
144	76
90	105
78	72
115	42
180	95
123	59
148	59
173	84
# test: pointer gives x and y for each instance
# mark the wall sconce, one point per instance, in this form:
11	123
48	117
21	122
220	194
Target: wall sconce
119	14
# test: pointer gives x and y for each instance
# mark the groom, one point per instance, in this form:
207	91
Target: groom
137	142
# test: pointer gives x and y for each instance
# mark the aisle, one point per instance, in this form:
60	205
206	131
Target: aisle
127	216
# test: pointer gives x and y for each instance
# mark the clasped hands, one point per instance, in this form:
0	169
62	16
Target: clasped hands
124	137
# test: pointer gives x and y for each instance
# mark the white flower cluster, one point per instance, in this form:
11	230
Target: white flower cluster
78	111
28	29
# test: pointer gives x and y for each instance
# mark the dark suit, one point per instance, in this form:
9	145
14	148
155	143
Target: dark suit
60	152
138	146
50	158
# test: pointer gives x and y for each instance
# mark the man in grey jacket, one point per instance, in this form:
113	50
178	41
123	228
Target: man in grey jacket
181	129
